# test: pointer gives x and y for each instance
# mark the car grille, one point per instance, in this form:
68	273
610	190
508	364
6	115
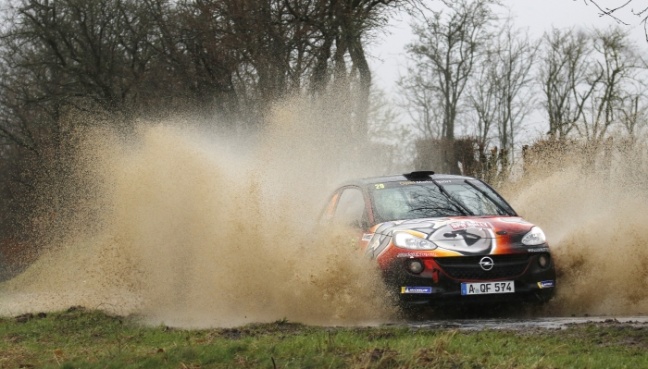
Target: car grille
468	268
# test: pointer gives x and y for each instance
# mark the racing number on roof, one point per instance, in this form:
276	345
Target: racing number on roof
379	186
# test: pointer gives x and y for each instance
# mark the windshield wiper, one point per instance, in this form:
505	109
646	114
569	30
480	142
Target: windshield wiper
462	209
489	197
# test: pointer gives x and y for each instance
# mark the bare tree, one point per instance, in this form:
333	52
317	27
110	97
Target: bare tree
339	53
389	139
587	80
449	45
501	95
115	60
93	53
614	12
511	74
567	79
420	101
59	58
196	61
616	68
445	54
633	111
483	101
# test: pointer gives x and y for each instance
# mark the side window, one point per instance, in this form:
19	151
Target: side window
351	208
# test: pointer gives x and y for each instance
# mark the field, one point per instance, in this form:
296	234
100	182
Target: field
80	338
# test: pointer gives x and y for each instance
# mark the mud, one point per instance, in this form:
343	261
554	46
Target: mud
596	220
191	228
529	325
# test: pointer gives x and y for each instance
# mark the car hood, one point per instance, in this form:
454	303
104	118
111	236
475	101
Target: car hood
463	235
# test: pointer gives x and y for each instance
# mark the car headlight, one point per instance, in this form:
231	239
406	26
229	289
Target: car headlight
409	241
535	237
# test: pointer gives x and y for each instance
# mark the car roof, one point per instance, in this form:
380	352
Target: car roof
413	176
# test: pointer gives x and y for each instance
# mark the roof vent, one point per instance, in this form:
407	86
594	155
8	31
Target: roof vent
419	175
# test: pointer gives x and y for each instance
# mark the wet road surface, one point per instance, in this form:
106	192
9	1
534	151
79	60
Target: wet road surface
525	324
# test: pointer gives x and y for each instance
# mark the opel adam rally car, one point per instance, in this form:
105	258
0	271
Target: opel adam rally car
445	239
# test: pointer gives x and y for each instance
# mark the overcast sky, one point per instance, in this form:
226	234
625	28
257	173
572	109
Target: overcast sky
388	55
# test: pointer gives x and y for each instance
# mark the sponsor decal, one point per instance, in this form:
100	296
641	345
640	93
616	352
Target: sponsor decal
546	284
539	249
469	224
413	254
416	290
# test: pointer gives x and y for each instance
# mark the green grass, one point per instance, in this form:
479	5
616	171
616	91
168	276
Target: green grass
90	339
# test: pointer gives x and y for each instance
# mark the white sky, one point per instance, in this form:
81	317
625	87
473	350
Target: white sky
388	57
535	15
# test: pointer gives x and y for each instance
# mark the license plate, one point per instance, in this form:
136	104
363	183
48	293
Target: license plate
487	288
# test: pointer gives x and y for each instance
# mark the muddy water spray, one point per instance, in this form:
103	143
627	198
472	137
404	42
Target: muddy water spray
596	220
197	232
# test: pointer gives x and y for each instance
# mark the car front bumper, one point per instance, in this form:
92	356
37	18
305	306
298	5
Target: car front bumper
435	286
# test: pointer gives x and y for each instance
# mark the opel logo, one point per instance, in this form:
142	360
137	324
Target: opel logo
486	263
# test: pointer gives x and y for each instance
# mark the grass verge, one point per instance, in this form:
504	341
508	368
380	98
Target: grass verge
80	338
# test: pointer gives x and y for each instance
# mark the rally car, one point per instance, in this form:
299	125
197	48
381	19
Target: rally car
445	239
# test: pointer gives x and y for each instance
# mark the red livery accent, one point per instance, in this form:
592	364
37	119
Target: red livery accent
452	235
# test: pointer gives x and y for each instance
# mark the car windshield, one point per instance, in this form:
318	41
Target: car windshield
425	199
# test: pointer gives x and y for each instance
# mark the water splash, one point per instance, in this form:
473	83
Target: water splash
194	231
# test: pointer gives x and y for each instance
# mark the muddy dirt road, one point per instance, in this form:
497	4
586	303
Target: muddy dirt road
187	230
527	323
